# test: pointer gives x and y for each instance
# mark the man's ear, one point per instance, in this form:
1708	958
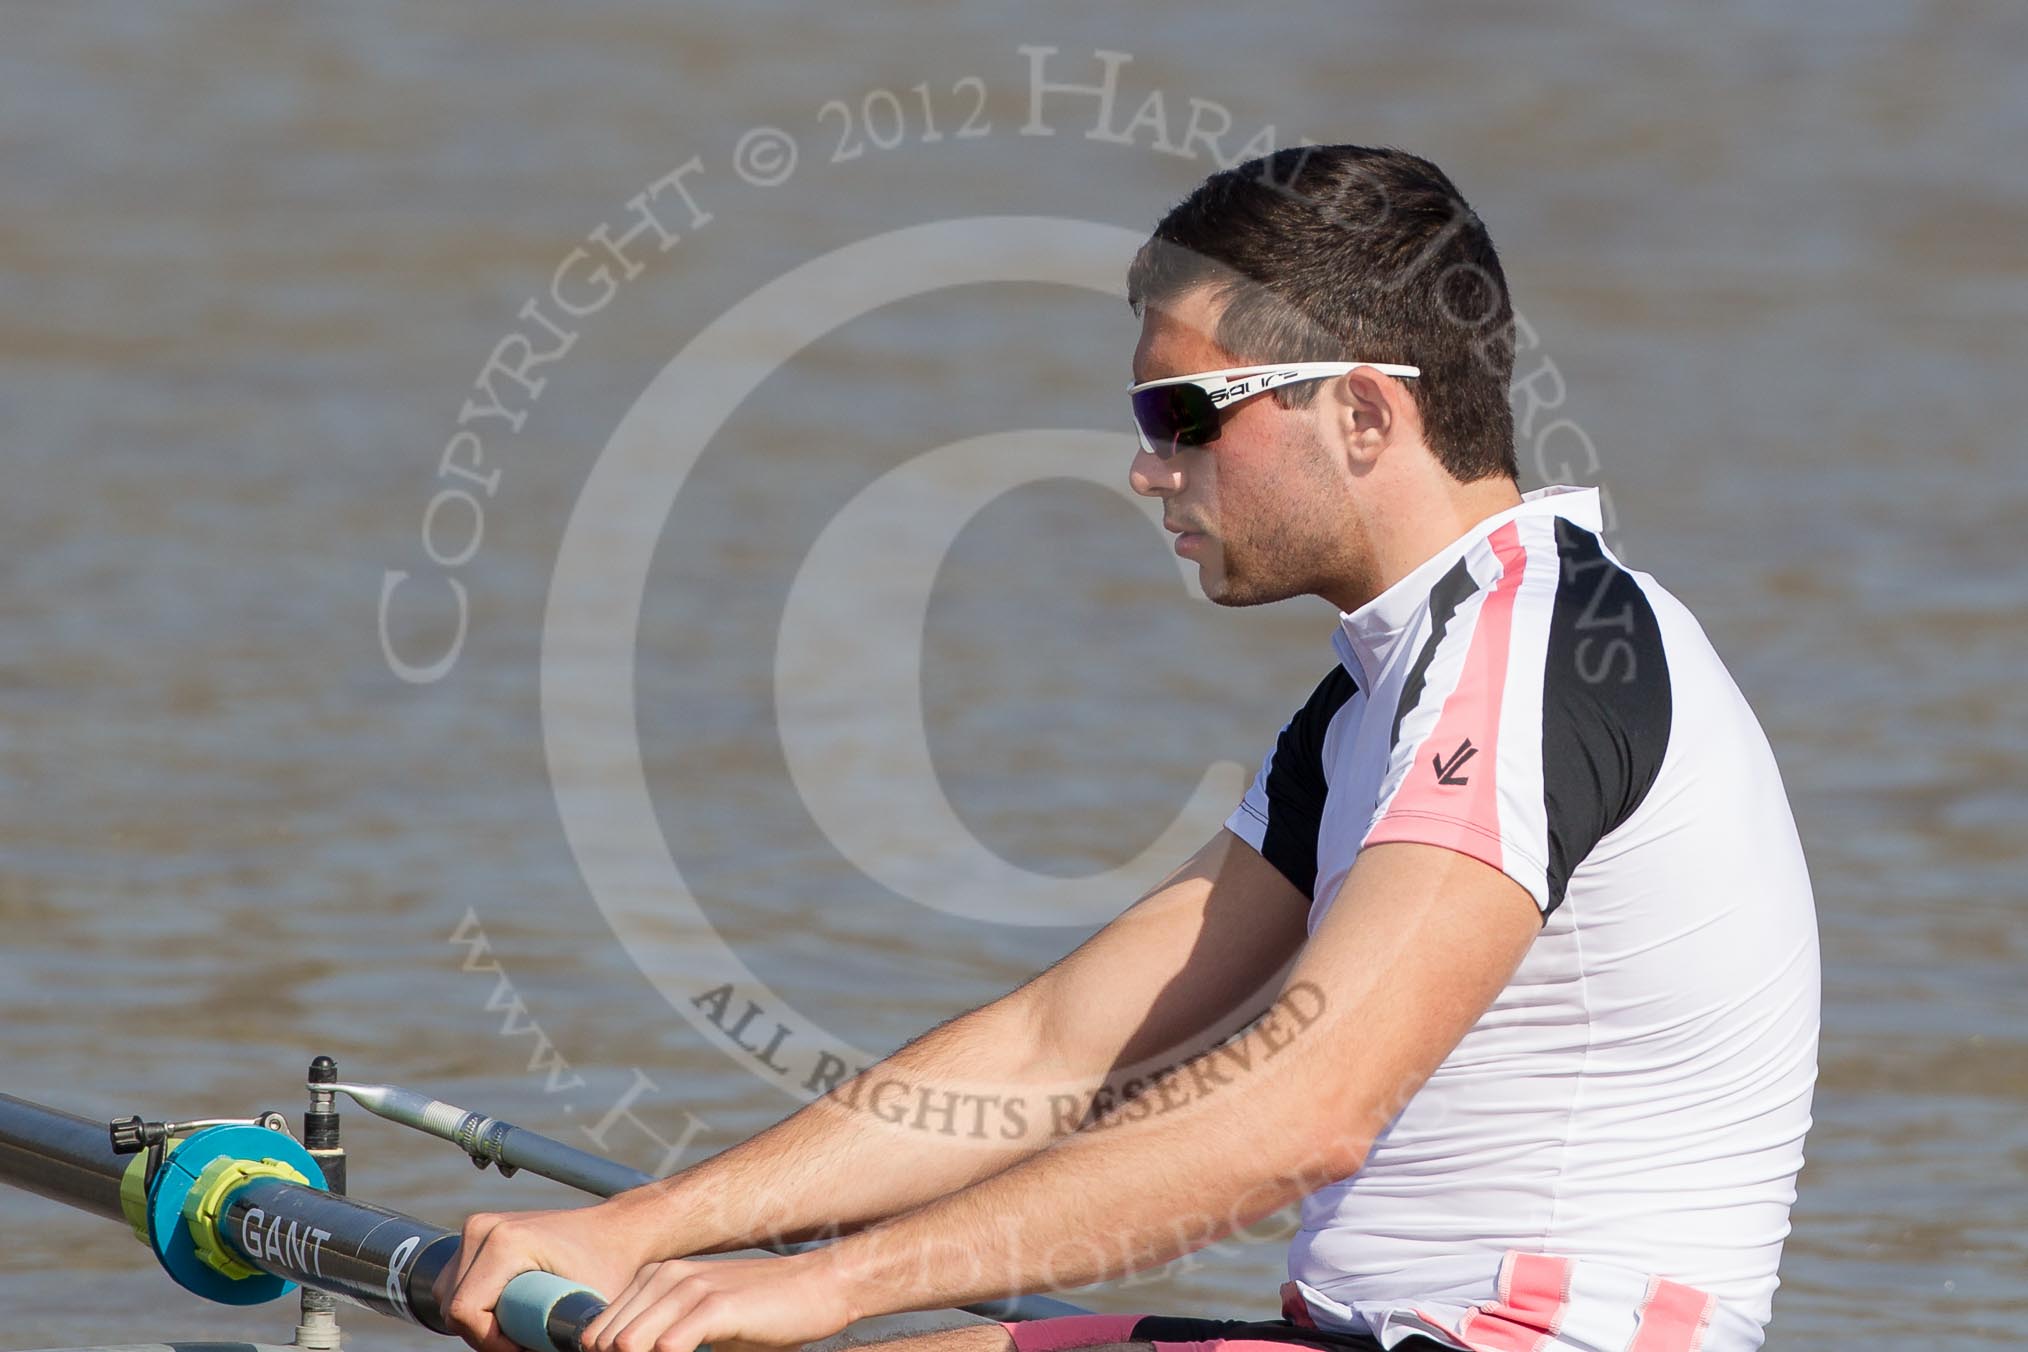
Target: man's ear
1363	409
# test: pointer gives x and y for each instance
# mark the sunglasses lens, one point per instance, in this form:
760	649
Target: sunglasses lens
1175	415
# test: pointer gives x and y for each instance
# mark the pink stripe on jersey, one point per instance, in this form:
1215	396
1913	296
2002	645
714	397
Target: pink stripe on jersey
1673	1318
1071	1330
1449	794
1534	1293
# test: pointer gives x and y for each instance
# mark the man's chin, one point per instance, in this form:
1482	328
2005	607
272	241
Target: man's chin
1222	588
1224	585
1237	599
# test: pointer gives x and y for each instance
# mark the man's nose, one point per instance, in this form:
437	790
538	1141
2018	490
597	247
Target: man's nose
1152	476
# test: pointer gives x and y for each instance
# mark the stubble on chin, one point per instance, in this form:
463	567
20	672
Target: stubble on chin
1246	580
1214	577
1225	584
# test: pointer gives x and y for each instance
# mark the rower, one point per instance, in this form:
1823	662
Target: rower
1505	967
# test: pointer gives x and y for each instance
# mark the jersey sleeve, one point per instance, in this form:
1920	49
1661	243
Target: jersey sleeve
1283	811
1535	718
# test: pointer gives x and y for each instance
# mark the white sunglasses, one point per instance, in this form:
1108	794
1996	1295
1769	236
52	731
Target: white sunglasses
1183	410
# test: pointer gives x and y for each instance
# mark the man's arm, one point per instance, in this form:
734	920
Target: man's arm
1418	943
1187	963
1195	958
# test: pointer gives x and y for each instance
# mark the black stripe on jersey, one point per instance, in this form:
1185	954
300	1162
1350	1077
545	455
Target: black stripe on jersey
1444	599
1296	786
1606	702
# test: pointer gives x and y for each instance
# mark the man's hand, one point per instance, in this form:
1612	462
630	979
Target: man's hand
680	1305
592	1245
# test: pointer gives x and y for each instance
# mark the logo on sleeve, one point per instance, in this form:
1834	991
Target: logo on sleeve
1447	770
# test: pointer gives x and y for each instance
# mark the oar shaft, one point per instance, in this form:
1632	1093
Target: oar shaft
490	1138
380	1258
60	1156
387	1262
340	1245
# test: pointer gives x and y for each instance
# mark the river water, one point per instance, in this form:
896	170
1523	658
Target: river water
254	258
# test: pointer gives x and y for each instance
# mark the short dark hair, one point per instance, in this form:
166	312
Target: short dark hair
1347	253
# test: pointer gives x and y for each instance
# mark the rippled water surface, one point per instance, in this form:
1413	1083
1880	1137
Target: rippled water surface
252	258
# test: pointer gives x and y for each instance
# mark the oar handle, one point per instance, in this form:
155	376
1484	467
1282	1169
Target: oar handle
547	1313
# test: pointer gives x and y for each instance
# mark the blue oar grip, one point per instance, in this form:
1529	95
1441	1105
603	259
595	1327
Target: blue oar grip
524	1308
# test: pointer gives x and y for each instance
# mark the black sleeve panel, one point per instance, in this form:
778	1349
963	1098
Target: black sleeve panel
1606	703
1296	784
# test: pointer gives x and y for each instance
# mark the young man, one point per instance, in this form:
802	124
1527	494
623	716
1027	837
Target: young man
1518	888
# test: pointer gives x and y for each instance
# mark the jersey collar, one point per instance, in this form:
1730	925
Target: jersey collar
1366	637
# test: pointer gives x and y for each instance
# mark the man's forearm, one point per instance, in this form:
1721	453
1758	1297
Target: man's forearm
1419	944
980	1094
959	1104
1210	1147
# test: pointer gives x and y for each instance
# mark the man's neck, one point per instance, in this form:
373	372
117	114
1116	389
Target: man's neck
1400	541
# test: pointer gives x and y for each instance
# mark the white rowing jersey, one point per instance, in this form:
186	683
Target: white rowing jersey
1607	1159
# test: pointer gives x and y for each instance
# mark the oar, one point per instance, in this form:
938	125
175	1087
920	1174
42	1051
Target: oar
237	1212
512	1148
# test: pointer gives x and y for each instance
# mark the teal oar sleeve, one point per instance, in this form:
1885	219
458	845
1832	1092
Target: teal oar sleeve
525	1306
